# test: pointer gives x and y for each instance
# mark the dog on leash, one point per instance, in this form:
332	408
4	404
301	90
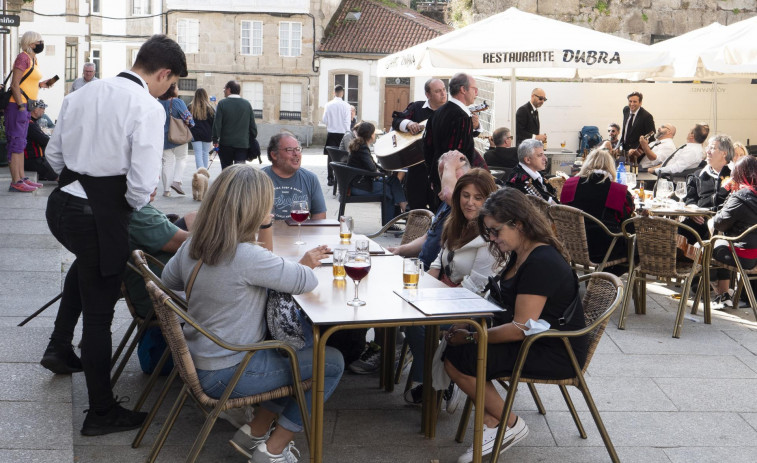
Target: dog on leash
200	183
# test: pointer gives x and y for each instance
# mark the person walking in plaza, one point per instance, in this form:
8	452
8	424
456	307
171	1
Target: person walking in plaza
88	75
109	165
203	114
174	155
26	81
229	298
337	117
233	126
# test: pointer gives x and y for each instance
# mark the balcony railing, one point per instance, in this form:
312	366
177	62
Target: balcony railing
290	115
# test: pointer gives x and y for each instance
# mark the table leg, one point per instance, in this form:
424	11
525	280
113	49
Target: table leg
428	407
478	423
316	401
388	350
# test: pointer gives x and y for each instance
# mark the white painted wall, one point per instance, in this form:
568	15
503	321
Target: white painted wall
369	86
288	6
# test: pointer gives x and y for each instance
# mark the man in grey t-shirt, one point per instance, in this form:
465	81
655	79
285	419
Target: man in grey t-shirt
291	182
88	75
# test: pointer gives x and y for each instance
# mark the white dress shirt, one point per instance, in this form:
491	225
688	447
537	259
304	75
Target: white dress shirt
663	149
687	157
110	127
462	105
337	116
536	176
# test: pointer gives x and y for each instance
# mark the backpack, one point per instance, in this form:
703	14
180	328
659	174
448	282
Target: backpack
588	138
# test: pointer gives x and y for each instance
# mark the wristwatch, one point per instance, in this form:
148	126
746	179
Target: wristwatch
20	106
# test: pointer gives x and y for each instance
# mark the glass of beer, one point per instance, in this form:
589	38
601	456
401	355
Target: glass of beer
412	268
345	228
338	268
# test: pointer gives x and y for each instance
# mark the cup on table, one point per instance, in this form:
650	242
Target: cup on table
412	269
339	257
346	225
361	245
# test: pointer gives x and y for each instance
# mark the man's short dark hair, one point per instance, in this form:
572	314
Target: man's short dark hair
700	132
641	97
273	145
457	82
338	89
615	126
161	52
499	135
234	87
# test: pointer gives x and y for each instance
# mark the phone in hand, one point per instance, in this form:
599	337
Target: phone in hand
53	79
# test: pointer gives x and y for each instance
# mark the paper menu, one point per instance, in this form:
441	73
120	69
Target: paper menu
442	301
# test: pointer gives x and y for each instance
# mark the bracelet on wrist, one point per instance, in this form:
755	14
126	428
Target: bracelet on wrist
269	225
471	337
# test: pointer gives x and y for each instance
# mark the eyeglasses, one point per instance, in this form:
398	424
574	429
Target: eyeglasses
612	131
541	98
509	138
292	150
489	231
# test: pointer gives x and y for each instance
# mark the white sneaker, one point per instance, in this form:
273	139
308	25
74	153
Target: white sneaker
238	417
453	397
261	455
512	436
245	443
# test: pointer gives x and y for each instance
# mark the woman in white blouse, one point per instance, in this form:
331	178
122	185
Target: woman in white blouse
464	259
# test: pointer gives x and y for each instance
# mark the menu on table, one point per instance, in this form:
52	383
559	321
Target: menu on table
443	301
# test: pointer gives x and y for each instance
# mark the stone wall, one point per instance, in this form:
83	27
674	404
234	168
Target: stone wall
633	19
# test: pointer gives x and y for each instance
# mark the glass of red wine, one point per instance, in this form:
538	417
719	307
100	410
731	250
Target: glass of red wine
300	212
357	265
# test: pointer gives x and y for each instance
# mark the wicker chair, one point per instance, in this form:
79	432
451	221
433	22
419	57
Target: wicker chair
170	316
603	295
557	183
744	276
656	245
417	223
571	231
540	204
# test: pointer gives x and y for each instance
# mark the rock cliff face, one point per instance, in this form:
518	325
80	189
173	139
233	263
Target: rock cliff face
640	20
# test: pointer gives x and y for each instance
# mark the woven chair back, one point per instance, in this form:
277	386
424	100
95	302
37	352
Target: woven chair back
418	223
141	260
540	204
571	231
600	294
557	183
656	245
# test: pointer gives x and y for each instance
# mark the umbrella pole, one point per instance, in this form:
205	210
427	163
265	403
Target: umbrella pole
513	104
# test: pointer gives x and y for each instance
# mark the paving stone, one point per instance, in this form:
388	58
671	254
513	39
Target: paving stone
668	366
25	382
31	260
691	394
28	241
524	452
23	345
23	424
36	456
694	340
712	454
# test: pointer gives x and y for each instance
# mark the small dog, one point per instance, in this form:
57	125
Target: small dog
200	183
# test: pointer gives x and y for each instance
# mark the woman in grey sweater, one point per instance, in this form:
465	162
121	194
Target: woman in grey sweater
229	299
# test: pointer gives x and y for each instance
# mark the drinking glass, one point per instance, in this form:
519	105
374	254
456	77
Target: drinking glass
680	192
346	225
299	212
630	180
562	144
361	246
357	265
340	256
664	190
412	269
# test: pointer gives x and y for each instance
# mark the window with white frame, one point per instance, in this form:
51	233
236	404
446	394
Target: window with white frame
188	35
140	7
95	6
95	58
351	90
290	38
291	102
252	38
253	92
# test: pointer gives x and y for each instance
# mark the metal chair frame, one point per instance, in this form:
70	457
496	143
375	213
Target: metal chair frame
336	155
595	329
744	276
344	176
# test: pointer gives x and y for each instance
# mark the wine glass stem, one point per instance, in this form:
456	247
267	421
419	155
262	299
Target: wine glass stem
357	283
299	231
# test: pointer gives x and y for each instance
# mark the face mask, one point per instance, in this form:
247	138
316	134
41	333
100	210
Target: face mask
532	327
39	48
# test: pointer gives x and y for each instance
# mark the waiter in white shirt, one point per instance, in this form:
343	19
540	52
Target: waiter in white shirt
109	160
337	117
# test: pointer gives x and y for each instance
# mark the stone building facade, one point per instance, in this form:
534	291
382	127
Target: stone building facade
645	21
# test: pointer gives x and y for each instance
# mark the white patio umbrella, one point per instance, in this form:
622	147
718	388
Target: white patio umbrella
518	44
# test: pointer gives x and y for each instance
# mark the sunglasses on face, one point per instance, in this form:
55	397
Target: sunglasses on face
541	98
489	231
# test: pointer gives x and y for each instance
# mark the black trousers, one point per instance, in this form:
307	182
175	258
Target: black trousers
230	155
85	292
42	167
332	139
417	188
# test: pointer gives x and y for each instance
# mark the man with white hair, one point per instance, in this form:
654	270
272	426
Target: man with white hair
526	177
88	75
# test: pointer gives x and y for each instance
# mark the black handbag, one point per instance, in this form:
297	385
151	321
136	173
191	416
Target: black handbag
253	152
5	97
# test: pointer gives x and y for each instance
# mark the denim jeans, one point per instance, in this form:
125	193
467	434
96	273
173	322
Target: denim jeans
201	149
416	340
269	369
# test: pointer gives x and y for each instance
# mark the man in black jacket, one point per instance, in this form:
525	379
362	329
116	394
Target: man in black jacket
637	121
527	118
503	154
417	189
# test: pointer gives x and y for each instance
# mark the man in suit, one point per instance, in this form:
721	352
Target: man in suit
452	127
503	154
527	118
637	121
526	176
417	189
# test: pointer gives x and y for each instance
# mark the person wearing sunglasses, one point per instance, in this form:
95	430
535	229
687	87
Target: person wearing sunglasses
536	283
502	153
527	124
612	143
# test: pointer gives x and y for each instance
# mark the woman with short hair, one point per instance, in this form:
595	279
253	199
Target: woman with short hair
229	298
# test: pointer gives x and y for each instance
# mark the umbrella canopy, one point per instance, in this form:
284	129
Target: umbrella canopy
526	45
736	53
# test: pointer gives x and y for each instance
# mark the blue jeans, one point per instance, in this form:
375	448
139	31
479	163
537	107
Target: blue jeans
269	369
201	149
394	195
416	340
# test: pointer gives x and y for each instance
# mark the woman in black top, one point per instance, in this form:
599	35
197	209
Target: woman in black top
536	283
360	157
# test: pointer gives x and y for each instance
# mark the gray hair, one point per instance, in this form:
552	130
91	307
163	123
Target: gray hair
457	82
527	148
89	65
273	145
726	144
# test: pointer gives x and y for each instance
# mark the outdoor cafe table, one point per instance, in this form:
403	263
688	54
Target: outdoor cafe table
327	308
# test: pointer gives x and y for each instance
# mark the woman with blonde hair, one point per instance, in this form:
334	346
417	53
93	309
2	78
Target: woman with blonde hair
739	151
25	83
229	298
595	191
203	114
